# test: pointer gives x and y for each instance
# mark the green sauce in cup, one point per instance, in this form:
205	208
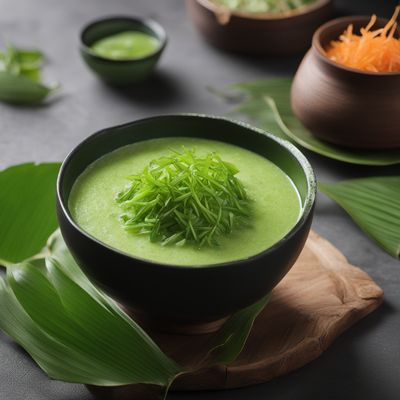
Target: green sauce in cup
128	45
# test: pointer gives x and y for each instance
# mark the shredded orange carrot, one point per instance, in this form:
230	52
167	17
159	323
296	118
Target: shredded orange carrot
372	50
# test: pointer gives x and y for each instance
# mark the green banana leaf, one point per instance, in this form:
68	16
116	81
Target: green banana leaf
374	205
72	336
27	209
267	104
88	338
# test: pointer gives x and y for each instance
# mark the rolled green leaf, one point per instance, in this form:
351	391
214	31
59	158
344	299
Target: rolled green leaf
374	205
19	89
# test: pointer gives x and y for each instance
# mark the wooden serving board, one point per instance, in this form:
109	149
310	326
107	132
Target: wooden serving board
321	297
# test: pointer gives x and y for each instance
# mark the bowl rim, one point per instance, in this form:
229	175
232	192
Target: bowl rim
320	51
265	16
150	23
304	164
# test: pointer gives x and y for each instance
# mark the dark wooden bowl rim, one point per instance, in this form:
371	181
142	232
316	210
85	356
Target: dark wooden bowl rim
320	51
210	5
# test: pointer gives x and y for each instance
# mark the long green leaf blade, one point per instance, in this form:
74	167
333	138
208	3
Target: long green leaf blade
374	204
267	104
98	346
27	209
45	350
78	334
227	344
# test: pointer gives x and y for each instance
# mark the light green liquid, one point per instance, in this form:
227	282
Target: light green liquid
127	45
276	203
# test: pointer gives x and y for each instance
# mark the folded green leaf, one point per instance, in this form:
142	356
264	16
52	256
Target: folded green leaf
374	204
267	103
19	89
27	209
83	341
78	334
20	76
225	346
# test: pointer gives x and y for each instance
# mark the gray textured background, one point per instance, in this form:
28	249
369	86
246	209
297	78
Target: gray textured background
365	362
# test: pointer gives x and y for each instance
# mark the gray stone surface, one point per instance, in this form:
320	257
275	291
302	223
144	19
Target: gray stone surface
365	362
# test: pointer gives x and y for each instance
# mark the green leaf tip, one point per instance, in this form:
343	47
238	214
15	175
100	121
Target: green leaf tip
374	205
185	198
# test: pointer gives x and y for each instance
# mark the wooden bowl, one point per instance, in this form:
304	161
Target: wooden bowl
121	72
178	298
343	105
261	33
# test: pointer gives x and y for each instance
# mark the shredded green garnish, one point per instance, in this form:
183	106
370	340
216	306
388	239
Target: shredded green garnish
183	198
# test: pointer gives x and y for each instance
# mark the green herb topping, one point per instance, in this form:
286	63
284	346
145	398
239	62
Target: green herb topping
184	198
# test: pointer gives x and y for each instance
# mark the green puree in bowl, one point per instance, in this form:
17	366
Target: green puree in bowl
276	203
128	45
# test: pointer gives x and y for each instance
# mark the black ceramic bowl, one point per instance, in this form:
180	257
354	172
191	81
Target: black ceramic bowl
121	72
185	298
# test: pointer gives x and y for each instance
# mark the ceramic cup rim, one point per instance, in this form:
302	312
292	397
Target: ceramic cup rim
267	16
345	21
304	164
156	28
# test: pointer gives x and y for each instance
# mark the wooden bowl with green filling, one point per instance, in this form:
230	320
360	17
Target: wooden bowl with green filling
122	50
185	219
263	27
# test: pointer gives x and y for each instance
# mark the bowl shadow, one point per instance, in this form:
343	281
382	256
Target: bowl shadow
159	89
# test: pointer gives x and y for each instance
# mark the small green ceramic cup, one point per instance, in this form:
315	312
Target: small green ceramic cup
121	72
